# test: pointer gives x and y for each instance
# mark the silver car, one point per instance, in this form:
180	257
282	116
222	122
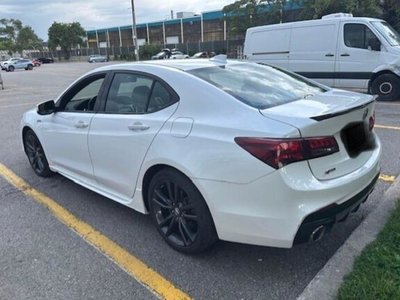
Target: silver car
19	64
4	64
97	58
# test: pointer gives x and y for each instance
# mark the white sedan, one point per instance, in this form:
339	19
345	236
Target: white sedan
178	55
212	149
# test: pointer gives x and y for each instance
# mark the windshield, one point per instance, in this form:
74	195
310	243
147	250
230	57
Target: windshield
391	35
259	86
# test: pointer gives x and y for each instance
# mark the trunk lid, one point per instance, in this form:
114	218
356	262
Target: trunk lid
344	115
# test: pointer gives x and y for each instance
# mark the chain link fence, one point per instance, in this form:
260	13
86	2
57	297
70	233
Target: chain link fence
234	49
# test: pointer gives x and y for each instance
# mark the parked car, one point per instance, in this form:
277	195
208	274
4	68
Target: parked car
205	145
201	55
4	64
45	60
36	62
338	50
163	54
97	58
178	55
19	64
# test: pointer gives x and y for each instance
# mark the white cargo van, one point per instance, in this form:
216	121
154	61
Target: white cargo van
338	50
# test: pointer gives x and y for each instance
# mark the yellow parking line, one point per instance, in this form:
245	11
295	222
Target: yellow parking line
387	127
128	262
387	178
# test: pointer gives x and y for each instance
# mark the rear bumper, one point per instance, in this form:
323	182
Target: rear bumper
277	209
328	216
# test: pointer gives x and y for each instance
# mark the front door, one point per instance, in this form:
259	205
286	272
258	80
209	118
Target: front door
66	131
356	59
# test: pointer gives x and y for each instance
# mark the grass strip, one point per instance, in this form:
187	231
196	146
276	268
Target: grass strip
376	272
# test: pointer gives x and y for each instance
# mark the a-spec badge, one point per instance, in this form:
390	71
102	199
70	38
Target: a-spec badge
327	172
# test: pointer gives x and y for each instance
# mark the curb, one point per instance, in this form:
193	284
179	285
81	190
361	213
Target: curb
328	280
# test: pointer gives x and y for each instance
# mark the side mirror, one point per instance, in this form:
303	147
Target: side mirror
374	44
46	108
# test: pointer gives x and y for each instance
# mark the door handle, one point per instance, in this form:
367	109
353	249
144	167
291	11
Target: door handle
81	124
329	55
344	54
137	126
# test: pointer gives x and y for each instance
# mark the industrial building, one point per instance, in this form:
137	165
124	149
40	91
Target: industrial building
186	28
190	32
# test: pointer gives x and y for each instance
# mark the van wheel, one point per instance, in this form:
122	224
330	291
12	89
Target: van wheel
180	213
387	87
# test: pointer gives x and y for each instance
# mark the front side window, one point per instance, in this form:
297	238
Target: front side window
358	36
83	97
259	86
136	94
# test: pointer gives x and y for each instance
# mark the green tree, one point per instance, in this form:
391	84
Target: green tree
147	51
27	39
243	14
315	9
66	36
9	29
391	13
16	37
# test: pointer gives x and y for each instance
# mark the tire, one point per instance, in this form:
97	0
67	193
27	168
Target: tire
30	67
10	69
387	87
180	213
36	156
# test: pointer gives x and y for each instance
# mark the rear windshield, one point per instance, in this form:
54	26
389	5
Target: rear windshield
259	86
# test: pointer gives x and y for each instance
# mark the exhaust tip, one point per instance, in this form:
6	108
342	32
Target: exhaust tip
318	233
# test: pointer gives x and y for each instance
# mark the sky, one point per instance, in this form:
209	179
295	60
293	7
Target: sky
96	14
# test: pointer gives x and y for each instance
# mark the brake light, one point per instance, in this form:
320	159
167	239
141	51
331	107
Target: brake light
278	153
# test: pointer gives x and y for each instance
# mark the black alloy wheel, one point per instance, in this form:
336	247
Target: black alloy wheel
36	155
180	212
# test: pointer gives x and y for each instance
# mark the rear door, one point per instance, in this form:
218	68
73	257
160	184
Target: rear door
313	51
136	107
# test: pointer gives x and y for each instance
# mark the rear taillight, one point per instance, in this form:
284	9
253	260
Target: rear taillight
281	152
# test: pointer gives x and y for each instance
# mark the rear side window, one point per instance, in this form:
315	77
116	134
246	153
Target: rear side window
160	98
259	86
357	36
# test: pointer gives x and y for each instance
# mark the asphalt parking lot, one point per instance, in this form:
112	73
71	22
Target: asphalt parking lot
42	258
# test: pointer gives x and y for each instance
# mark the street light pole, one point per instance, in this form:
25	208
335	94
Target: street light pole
134	35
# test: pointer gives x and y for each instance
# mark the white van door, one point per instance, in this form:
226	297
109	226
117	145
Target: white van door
356	59
313	51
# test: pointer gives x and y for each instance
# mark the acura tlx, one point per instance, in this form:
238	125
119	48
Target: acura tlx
212	148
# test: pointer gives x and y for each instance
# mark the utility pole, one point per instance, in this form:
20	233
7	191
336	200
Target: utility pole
134	35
